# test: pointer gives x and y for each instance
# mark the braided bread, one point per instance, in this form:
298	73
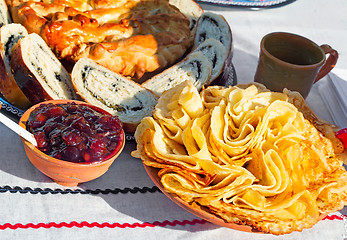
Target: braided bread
130	37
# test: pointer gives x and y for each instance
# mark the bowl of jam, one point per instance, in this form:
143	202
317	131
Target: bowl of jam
76	142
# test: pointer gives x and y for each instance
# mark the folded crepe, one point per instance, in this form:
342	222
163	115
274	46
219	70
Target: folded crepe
246	155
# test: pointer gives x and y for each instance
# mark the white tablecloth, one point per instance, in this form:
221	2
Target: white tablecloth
123	203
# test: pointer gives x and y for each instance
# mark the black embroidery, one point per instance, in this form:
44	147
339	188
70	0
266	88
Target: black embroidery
18	189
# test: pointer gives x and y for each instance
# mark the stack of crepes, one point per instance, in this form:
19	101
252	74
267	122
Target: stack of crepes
246	155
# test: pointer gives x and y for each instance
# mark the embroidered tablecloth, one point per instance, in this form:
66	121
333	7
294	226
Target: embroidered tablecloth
124	203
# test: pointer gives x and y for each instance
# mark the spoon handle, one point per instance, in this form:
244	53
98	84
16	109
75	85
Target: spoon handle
18	129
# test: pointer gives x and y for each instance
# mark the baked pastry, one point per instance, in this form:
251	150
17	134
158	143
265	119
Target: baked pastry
196	67
215	26
5	17
216	53
212	25
37	71
9	36
191	10
130	37
118	95
212	42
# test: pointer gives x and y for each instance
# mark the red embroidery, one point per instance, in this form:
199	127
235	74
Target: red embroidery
122	225
101	225
342	135
335	217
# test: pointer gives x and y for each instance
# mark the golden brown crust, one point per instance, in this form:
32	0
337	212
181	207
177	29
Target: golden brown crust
76	29
327	129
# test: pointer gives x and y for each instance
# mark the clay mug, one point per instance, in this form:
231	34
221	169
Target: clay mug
294	62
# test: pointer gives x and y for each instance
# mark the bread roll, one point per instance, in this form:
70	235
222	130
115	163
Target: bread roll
215	26
212	25
195	67
38	72
191	10
5	17
112	92
216	53
9	36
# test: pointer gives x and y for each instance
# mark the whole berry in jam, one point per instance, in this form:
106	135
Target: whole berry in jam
74	132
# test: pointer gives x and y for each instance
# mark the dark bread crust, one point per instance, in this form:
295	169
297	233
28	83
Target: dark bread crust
9	88
26	81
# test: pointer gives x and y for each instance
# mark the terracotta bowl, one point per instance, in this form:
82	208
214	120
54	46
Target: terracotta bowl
63	172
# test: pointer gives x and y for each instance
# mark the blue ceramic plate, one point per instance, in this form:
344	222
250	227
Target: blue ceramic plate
248	3
10	110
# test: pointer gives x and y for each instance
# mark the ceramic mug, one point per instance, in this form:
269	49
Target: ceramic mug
294	62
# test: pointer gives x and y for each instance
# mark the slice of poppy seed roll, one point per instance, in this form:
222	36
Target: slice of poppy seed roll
212	25
195	67
215	26
9	36
37	71
114	93
191	10
216	54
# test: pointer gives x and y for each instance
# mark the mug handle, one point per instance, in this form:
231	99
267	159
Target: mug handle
329	63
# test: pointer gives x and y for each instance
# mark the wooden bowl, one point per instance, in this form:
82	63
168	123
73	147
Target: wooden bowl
63	172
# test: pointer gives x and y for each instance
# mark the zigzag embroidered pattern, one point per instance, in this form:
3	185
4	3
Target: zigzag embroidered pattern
121	225
102	225
153	189
18	189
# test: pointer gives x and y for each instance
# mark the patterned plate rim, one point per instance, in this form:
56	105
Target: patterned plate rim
248	3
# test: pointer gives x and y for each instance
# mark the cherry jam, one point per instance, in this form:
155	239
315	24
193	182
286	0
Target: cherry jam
74	132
